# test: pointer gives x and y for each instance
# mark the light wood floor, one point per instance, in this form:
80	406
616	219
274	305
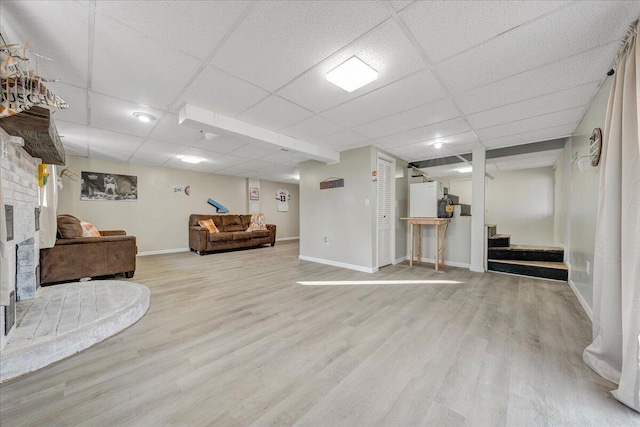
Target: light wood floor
232	340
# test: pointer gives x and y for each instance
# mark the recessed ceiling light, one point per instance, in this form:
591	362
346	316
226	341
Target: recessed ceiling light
191	159
465	169
352	74
296	177
438	145
144	117
210	136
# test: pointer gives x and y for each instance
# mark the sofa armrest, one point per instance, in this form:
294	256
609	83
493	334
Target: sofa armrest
198	237
272	229
113	233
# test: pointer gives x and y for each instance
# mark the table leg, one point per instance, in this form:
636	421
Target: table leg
419	260
441	236
437	249
411	244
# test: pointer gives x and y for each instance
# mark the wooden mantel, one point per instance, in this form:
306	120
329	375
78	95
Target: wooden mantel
41	138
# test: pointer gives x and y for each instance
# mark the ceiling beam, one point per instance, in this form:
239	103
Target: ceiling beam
204	120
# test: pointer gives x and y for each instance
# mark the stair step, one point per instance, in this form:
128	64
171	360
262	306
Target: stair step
542	269
500	241
492	229
527	253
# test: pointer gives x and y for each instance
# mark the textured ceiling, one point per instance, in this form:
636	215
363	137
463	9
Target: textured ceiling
469	74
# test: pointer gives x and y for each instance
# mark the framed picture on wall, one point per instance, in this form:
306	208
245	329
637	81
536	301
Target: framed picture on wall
254	193
108	186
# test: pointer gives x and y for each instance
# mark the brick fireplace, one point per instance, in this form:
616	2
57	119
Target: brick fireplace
20	244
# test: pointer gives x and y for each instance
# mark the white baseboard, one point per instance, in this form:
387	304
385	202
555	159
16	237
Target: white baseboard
164	251
583	303
338	264
283	239
449	263
476	270
399	260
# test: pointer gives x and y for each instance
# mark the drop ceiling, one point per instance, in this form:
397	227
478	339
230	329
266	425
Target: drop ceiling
469	74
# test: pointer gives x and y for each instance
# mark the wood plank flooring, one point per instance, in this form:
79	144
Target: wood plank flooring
232	340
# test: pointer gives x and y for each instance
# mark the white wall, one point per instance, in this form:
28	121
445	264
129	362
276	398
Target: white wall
288	222
582	200
347	216
158	219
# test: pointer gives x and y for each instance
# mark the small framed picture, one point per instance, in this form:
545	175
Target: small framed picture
254	193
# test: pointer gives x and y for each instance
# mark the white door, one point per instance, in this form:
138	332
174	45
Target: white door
385	180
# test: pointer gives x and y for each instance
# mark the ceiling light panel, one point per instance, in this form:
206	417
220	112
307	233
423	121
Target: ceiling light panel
352	74
285	51
385	49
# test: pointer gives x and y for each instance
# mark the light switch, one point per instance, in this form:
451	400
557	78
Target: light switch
366	202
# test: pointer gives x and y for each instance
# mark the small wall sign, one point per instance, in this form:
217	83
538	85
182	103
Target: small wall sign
254	193
374	176
331	183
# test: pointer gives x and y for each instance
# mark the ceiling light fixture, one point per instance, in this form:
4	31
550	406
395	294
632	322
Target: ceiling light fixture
465	169
144	117
191	159
438	145
352	74
210	136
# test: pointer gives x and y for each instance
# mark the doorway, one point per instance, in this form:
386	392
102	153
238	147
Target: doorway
386	211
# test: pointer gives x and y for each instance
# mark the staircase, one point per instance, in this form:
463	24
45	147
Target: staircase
536	261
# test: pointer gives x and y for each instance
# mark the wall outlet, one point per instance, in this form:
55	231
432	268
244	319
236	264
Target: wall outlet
588	267
327	240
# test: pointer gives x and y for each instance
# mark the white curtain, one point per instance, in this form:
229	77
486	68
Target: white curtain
615	351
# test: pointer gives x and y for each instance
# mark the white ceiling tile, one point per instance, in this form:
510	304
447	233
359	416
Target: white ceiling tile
577	70
77	100
208	22
274	113
398	5
572	115
219	92
158	148
148	160
227	161
279	40
340	139
545	104
222	144
427	114
246	167
425	151
574	29
23	21
312	128
109	154
445	28
176	163
130	66
117	115
288	158
385	49
533	136
426	133
417	89
108	140
251	151
169	130
74	137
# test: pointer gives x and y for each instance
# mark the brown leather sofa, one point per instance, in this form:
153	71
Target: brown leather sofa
74	257
232	233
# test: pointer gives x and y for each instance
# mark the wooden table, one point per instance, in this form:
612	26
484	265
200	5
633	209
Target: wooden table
440	225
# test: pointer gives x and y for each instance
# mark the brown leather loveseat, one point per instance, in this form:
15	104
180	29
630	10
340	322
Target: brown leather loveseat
232	233
74	257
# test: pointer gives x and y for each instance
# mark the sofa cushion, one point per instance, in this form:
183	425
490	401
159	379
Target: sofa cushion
261	233
69	227
241	235
220	237
209	225
89	230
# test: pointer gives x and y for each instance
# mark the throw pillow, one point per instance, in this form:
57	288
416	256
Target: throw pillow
88	230
69	227
209	225
257	222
